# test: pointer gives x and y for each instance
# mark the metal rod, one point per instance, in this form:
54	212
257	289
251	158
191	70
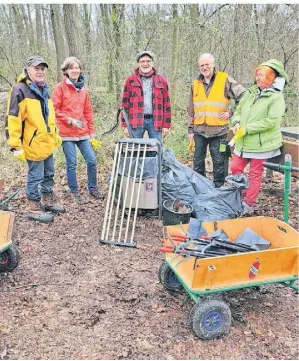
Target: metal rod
120	192
138	194
11	196
132	193
287	186
114	188
110	191
126	192
159	178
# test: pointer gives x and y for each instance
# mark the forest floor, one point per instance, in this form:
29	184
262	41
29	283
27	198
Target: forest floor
72	298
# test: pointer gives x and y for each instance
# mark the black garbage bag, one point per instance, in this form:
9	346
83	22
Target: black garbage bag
179	181
221	203
209	203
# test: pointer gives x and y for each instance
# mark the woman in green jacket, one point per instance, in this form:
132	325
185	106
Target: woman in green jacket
256	124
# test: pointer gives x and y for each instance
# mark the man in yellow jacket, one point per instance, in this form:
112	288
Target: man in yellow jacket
32	136
209	115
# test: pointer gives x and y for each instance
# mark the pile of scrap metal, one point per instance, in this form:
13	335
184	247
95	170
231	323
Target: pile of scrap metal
215	245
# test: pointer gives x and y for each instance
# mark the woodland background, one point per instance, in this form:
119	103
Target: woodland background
71	298
106	37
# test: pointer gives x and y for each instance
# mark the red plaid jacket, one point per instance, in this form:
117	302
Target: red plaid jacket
132	101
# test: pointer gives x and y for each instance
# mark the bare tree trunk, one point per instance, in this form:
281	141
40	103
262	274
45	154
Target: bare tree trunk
235	47
88	42
28	33
73	30
22	43
117	15
58	38
87	28
257	31
45	25
194	13
38	26
31	32
108	40
138	28
174	55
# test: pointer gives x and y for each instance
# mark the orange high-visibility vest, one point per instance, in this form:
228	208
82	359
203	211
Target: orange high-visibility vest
208	109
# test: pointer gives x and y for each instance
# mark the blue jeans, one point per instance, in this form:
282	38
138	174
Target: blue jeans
69	148
149	127
40	178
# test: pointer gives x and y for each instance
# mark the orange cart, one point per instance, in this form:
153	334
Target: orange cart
211	317
9	255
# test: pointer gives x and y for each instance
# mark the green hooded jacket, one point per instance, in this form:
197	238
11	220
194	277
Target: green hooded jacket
261	116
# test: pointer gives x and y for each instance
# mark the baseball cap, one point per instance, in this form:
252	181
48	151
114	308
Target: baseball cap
36	60
145	52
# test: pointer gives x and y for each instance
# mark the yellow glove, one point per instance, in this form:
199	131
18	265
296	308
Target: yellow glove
240	133
96	144
191	146
19	155
58	140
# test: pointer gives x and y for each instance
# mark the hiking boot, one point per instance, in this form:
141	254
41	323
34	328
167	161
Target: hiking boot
49	204
36	213
247	209
75	197
95	193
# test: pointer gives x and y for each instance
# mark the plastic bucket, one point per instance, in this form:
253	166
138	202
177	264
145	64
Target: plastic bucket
171	217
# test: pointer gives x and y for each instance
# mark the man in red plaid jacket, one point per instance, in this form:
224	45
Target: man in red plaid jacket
146	100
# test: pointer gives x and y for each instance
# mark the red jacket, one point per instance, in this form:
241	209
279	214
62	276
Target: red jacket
70	103
132	101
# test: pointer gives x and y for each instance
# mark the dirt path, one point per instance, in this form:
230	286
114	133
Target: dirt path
71	298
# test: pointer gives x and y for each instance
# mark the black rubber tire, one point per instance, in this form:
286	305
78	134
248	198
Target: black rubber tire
210	319
9	259
169	280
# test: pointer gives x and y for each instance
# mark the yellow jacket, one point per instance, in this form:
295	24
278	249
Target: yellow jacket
208	108
26	126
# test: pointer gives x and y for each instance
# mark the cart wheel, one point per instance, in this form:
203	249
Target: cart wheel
210	319
168	279
9	259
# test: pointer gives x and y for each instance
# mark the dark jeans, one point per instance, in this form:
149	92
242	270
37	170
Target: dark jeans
220	161
149	127
40	178
87	151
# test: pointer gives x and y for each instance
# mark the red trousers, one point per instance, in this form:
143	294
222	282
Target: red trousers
256	169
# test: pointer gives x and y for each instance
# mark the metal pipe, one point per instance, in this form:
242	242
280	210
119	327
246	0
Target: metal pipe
120	192
126	191
287	187
114	188
133	189
138	194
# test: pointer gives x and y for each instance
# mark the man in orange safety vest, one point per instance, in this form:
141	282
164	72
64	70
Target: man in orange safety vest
208	115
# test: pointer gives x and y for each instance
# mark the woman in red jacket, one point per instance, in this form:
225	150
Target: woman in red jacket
74	117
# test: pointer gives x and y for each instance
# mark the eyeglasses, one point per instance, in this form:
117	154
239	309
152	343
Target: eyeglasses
145	61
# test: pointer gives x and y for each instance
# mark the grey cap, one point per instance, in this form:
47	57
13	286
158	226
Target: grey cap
145	52
36	60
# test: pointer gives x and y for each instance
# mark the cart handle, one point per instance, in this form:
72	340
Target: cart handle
166	249
275	166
